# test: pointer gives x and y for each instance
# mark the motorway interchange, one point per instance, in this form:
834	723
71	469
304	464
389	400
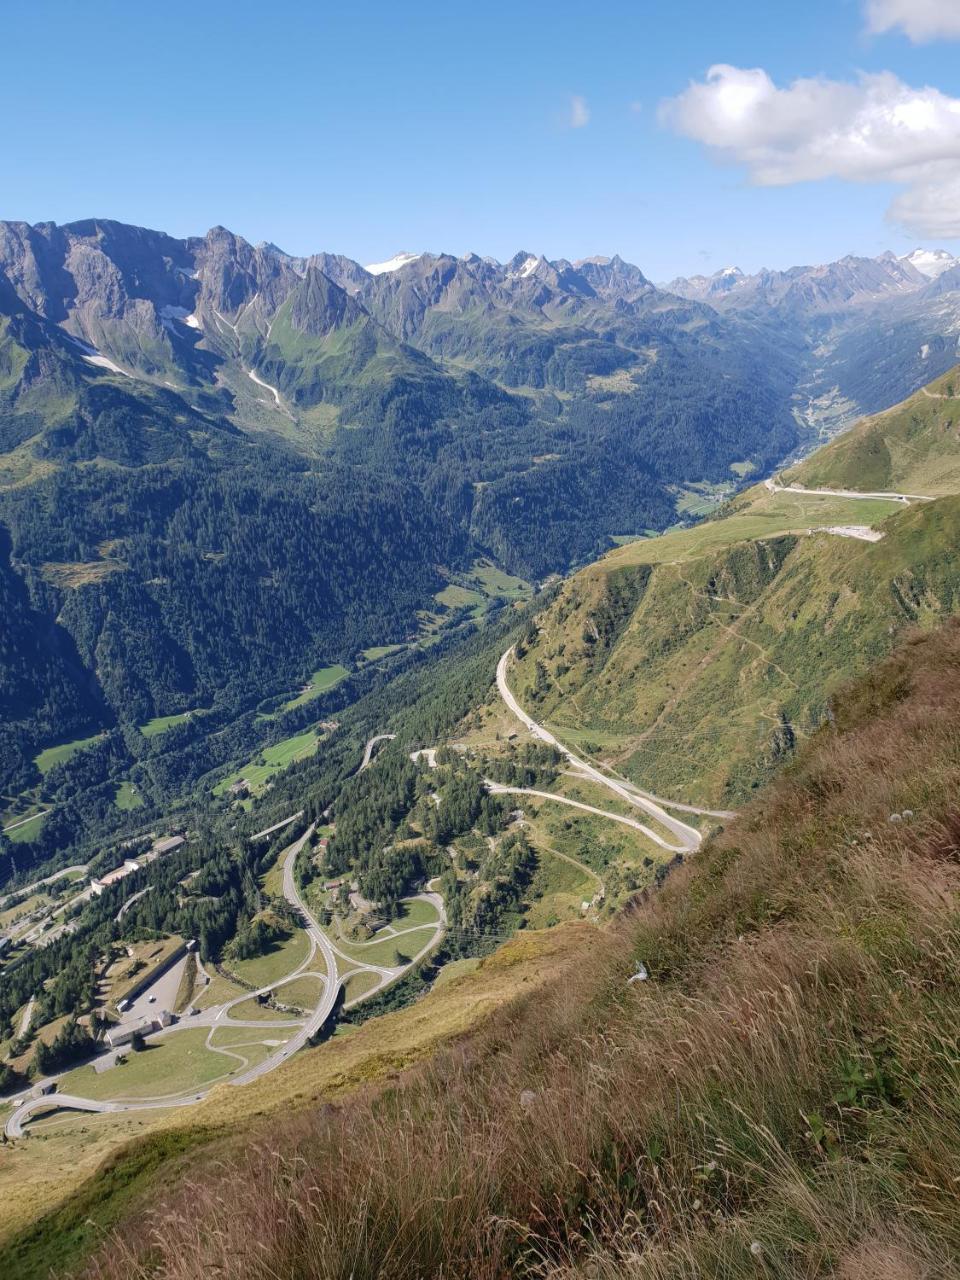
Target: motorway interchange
326	961
330	964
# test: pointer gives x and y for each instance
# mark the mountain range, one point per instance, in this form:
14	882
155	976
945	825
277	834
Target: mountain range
270	339
223	466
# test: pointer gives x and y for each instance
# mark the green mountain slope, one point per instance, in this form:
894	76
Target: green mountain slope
696	662
913	447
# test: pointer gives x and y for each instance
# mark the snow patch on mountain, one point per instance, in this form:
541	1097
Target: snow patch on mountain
931	262
273	391
392	264
525	269
169	314
93	356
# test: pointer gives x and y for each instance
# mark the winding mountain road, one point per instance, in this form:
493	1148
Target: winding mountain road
130	901
368	749
29	889
218	1017
498	789
688	837
771	484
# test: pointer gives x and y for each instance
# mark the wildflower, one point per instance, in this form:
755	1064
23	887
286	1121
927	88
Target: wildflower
756	1248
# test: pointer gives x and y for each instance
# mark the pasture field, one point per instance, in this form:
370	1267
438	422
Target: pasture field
321	681
386	950
160	724
27	830
50	757
283	958
359	984
271	760
127	797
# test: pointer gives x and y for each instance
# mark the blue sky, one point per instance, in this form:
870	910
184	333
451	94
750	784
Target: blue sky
374	127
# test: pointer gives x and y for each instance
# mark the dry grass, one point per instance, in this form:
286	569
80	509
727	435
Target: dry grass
54	1206
80	574
780	1099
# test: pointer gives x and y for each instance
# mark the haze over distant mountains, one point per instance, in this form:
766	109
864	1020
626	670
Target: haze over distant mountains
849	278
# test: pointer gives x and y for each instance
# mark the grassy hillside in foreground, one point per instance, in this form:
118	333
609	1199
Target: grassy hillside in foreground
779	1098
913	447
81	1171
696	673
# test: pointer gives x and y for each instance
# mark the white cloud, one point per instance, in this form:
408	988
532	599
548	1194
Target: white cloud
921	20
931	207
579	112
876	129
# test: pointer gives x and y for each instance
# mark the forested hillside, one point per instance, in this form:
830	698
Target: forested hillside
222	468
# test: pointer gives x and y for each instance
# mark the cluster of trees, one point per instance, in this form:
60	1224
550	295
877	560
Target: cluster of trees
255	938
72	1044
371	807
463	803
213	906
389	874
394	823
480	911
534	764
10	1078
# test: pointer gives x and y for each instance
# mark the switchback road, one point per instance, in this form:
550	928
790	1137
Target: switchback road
688	837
